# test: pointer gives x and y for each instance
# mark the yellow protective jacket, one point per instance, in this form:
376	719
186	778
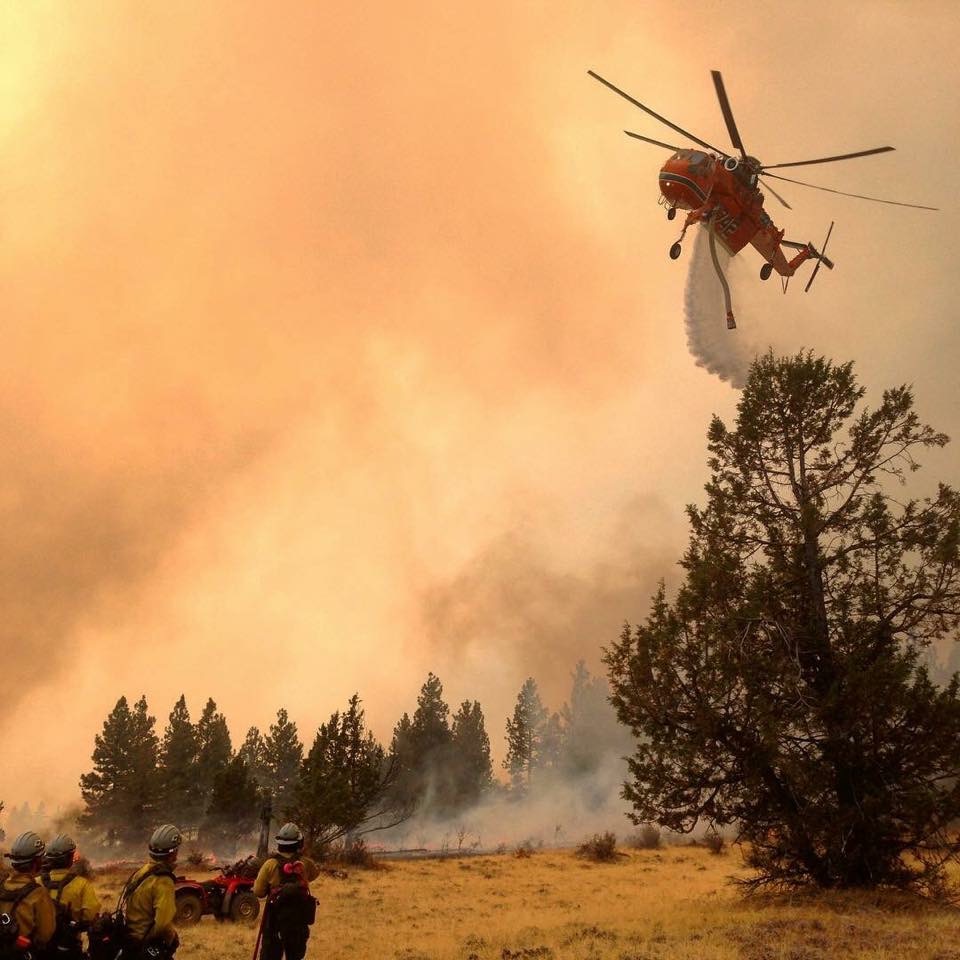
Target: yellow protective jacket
35	914
151	907
268	879
75	894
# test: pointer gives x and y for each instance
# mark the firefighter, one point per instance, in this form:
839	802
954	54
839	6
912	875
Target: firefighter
28	917
284	879
73	895
149	902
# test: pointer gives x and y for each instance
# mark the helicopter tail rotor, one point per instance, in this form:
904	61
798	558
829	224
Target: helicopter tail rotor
821	259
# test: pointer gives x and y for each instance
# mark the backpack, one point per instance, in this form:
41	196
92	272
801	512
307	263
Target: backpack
292	904
11	943
67	934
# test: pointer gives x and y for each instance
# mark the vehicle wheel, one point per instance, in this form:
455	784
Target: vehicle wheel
244	907
765	271
189	909
675	251
672	213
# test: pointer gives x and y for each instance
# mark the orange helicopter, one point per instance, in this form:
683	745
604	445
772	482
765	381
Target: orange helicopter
722	192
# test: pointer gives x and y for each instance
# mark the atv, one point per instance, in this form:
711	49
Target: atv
228	896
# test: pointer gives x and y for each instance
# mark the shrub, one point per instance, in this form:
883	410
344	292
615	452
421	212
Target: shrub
523	850
354	853
601	847
646	838
714	842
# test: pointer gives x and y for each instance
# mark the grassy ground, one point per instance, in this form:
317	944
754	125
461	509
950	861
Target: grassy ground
672	904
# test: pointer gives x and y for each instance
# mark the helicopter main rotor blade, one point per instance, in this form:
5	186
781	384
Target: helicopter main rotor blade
842	156
656	143
859	196
727	112
766	186
656	116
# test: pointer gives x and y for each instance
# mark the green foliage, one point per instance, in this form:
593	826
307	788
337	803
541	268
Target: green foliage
783	690
254	753
180	795
472	770
283	754
344	783
527	730
214	749
234	807
422	750
120	792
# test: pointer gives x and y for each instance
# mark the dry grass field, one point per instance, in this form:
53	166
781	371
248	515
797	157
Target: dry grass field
669	904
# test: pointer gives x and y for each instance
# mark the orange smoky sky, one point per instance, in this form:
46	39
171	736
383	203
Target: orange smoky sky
340	342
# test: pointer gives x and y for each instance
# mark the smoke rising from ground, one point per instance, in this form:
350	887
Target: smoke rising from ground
340	346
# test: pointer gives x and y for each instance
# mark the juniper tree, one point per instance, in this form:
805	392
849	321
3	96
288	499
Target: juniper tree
344	787
783	689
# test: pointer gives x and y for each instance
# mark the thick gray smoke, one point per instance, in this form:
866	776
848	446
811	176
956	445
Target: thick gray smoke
726	353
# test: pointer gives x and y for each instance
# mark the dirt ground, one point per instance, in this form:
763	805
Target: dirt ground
671	904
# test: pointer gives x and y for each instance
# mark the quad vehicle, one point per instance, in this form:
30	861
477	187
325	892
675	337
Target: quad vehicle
228	896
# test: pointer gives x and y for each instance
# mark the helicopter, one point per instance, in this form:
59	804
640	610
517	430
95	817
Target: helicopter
722	192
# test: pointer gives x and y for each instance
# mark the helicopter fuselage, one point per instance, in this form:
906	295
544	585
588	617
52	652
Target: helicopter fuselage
726	193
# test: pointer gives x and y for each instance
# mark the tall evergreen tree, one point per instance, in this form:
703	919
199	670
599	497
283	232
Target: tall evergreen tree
234	808
525	736
423	748
180	797
470	755
591	731
254	753
214	749
345	781
120	792
283	756
783	690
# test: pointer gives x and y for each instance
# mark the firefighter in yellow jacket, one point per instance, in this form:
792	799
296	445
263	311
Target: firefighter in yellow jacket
284	880
28	917
73	895
149	900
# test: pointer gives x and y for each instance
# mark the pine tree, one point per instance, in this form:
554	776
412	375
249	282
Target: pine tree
591	731
254	753
783	690
470	755
423	748
180	797
345	782
525	733
214	749
120	792
283	756
234	809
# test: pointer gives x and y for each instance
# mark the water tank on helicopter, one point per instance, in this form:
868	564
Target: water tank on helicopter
686	179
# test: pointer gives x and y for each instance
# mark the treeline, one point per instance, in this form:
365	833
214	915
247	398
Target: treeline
437	764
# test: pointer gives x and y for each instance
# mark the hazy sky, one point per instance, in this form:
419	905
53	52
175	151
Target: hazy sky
340	341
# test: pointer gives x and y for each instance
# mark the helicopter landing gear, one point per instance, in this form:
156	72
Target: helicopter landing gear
765	271
675	251
672	213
